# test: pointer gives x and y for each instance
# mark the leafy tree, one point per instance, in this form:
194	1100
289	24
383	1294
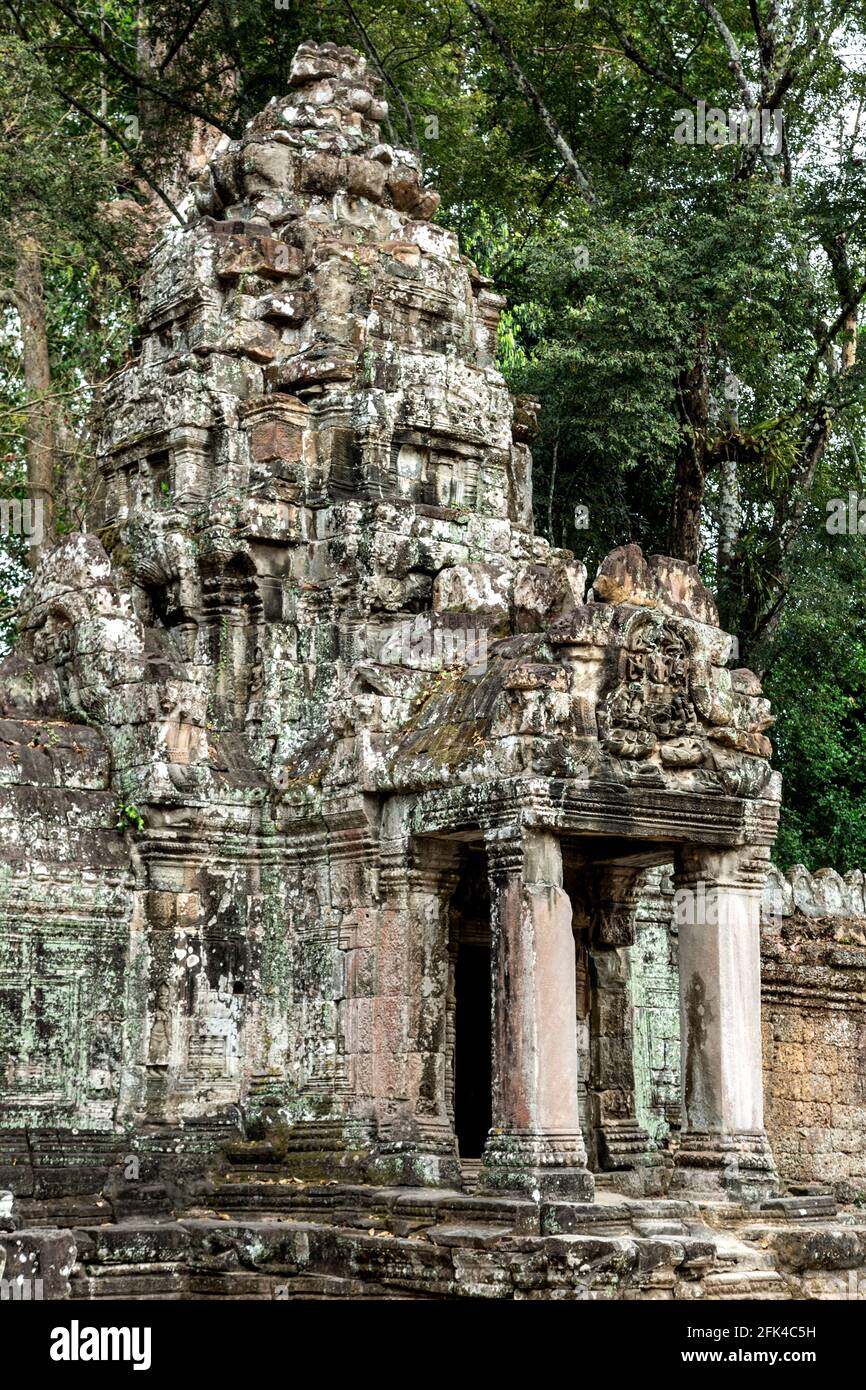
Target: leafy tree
61	267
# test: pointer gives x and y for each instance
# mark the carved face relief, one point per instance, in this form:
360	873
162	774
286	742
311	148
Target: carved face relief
650	703
52	643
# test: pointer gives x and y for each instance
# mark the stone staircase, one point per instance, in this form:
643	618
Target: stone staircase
742	1271
256	1228
471	1171
259	1234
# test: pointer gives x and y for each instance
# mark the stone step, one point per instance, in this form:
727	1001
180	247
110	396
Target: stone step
660	1228
732	1253
470	1170
253	1152
745	1283
310	1287
65	1212
258	1173
398	1209
804	1208
660	1209
474	1235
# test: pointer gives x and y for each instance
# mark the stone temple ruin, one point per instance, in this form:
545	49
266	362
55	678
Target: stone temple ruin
341	948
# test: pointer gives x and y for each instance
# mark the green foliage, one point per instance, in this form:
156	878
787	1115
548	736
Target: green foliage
129	817
55	181
816	680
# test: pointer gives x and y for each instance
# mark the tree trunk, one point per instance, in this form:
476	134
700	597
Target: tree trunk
103	84
688	500
837	250
729	487
561	145
730	510
39	430
690	470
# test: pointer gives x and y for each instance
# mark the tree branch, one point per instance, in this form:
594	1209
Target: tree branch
646	67
736	66
733	51
387	78
528	91
826	338
183	36
177	102
127	150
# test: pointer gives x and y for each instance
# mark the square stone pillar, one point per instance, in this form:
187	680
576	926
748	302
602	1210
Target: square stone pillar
190	453
416	1143
535	1144
718	904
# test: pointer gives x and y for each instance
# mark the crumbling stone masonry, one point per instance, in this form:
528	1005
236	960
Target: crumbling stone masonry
328	789
813	961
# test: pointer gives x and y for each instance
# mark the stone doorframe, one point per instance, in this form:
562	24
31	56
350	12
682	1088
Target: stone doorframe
605	897
535	1143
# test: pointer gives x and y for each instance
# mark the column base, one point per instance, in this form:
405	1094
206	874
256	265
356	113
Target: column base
538	1165
409	1166
729	1165
628	1154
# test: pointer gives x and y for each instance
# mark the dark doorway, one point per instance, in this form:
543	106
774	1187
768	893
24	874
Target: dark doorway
472	1068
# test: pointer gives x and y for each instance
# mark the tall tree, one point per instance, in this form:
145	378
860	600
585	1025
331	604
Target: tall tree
53	186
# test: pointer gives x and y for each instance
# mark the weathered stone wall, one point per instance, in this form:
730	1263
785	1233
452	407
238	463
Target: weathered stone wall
814	1023
66	904
813	967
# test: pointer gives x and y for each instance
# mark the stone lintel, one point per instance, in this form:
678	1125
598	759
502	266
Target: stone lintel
572	809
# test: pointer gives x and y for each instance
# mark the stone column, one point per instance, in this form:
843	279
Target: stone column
718	906
416	1142
535	1144
190	453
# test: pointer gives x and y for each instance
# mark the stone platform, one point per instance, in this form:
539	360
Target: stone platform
283	1238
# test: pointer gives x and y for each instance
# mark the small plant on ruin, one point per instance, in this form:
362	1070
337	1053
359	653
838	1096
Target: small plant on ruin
129	817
